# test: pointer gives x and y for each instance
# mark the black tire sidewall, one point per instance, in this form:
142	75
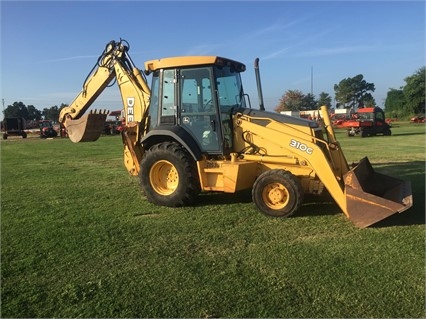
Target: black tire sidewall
186	190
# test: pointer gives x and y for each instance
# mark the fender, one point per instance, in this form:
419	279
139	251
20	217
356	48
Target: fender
177	133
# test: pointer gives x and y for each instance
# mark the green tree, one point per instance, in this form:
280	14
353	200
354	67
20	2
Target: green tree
292	100
309	102
324	99
33	113
395	102
368	100
354	92
414	92
17	109
52	113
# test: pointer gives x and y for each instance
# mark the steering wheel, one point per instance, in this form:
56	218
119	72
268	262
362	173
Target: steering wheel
208	106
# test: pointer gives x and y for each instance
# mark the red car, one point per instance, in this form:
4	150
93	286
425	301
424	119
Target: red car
418	119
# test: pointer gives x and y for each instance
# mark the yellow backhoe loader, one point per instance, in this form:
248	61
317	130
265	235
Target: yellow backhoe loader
194	131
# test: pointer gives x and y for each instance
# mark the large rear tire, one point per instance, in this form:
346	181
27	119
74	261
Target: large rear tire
364	133
168	175
277	193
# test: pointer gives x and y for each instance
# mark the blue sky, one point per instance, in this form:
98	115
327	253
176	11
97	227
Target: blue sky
48	48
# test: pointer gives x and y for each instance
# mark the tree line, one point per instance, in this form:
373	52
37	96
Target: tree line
410	98
355	92
352	92
31	113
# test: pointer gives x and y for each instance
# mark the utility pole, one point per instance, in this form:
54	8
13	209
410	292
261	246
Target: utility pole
312	80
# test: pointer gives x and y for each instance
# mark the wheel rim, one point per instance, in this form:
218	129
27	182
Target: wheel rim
164	177
275	196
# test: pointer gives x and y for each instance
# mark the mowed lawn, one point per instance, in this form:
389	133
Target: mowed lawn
78	239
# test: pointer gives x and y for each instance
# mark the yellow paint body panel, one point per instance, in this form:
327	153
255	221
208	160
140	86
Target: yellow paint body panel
181	61
227	176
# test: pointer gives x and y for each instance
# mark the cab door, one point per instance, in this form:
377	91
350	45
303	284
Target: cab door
198	109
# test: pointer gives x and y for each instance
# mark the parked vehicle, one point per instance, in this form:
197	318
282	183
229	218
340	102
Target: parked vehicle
13	126
46	129
368	121
420	118
113	127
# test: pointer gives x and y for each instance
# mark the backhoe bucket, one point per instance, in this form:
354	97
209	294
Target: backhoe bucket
372	197
88	128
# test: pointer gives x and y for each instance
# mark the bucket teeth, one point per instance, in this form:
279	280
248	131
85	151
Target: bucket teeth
95	111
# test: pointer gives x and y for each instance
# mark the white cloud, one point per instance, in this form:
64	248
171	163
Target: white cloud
78	57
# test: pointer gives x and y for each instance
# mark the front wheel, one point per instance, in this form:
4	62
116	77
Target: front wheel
277	193
169	176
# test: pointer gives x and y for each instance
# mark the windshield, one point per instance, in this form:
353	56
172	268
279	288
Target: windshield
230	88
366	116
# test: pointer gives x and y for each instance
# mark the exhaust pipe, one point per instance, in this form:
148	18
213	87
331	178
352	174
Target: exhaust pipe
259	85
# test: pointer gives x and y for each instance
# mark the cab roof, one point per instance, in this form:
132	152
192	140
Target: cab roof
183	61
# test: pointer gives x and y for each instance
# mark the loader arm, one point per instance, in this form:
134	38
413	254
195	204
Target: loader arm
312	156
114	63
363	195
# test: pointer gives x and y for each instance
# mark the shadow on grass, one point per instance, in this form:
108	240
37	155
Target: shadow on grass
219	198
322	205
409	171
415	173
325	205
407	134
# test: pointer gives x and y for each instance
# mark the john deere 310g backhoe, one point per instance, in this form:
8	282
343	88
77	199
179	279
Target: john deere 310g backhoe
193	130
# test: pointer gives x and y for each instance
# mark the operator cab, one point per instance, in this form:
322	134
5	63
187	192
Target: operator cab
197	94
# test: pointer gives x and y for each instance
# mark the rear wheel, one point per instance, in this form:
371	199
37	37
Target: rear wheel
277	193
169	176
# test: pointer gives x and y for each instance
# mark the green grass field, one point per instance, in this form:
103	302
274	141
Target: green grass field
78	239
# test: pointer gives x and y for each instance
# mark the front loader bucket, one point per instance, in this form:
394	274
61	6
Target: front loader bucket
372	197
88	128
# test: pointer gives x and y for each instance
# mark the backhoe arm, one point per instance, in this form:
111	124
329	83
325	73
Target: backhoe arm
89	128
114	63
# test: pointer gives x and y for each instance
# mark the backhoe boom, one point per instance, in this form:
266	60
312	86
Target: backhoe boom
114	63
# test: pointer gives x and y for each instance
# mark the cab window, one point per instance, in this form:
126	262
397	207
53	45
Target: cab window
168	105
153	104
